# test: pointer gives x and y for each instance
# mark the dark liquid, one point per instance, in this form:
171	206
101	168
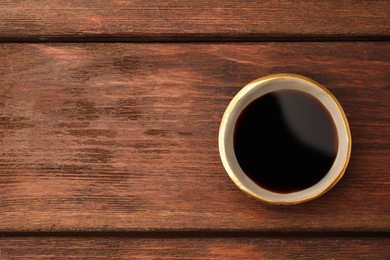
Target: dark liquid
285	141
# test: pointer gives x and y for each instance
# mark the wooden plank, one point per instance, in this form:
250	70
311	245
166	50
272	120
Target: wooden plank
196	248
45	19
124	136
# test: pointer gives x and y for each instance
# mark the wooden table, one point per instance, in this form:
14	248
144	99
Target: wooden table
109	115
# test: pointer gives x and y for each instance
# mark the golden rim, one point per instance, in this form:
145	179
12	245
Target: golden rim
224	123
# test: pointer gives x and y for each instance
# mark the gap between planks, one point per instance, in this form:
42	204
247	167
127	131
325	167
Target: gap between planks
201	234
192	39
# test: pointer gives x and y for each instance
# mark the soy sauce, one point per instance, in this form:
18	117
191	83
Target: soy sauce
285	141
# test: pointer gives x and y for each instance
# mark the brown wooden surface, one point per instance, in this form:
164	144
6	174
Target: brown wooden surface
192	18
109	150
124	136
195	248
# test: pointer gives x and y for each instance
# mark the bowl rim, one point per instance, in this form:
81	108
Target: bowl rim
226	118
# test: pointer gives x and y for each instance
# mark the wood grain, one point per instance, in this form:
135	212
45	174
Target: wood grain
196	248
172	19
124	136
